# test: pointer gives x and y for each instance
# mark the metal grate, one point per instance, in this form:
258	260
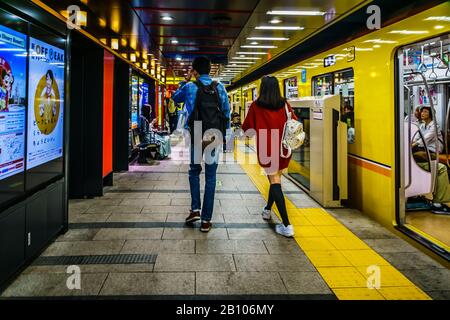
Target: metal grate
96	259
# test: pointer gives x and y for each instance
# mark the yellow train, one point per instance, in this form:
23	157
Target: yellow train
394	175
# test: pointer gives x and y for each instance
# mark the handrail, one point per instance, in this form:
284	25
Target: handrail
433	113
409	137
446	133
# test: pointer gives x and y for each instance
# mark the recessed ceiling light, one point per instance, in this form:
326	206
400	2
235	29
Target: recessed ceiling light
174	41
260	47
375	46
167	18
269	38
438	27
279	28
275	21
254	43
296	13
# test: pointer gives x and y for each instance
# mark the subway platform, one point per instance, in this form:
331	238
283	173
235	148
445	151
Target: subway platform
132	243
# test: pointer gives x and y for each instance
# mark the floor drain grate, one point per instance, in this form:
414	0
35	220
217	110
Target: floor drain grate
96	259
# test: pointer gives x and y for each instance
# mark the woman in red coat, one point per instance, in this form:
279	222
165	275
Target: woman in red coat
267	117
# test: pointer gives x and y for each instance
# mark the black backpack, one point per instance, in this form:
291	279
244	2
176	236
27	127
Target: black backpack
207	109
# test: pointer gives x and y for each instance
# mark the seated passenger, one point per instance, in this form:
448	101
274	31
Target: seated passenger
441	193
427	128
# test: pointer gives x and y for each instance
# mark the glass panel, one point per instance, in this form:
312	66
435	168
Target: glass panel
45	127
299	167
13	55
323	85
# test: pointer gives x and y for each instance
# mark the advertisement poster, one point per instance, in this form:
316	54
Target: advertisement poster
134	102
291	88
45	103
12	101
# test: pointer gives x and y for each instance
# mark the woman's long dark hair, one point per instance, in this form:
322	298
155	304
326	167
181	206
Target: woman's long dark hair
270	94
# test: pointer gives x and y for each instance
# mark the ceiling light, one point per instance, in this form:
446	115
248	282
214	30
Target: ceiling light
254	43
268	38
115	44
438	27
246	58
260	47
296	13
363	49
241	62
442	18
279	28
409	32
275	21
174	41
167	18
243	53
178	58
375	46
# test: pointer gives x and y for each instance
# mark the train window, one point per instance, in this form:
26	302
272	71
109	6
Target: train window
342	83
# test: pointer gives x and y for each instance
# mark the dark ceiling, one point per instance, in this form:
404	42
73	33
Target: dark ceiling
176	31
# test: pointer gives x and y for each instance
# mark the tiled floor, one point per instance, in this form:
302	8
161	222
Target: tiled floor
143	214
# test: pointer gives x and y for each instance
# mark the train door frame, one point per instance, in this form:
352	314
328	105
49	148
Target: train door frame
400	174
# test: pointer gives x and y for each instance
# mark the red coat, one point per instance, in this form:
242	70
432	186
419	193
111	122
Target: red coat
272	120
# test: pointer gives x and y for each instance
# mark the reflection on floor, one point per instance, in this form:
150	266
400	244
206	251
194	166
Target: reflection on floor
437	226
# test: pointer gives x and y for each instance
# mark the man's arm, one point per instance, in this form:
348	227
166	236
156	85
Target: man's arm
180	95
225	104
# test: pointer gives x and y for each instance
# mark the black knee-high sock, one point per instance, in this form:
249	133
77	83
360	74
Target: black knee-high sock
269	201
277	194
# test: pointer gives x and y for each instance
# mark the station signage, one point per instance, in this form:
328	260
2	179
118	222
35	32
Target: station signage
329	61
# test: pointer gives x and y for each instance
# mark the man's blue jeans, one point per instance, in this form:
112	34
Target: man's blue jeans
210	185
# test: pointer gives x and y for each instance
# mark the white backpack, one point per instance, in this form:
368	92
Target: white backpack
293	135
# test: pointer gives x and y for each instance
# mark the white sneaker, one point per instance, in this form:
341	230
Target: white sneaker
266	214
284	231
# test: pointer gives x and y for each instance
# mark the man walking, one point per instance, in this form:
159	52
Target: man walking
205	101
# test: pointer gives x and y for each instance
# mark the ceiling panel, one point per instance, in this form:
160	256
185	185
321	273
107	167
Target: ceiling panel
332	10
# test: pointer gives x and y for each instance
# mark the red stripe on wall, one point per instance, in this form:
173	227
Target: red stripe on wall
108	84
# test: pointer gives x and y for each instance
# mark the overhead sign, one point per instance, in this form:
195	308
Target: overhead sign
304	77
329	61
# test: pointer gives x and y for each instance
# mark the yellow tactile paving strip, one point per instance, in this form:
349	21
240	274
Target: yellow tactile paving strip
340	256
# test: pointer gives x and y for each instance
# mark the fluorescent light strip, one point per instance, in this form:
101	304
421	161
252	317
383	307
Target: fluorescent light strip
442	18
246	58
268	38
259	47
241	62
296	13
408	32
279	28
242	52
379	41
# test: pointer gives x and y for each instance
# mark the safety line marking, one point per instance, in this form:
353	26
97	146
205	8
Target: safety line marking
345	262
